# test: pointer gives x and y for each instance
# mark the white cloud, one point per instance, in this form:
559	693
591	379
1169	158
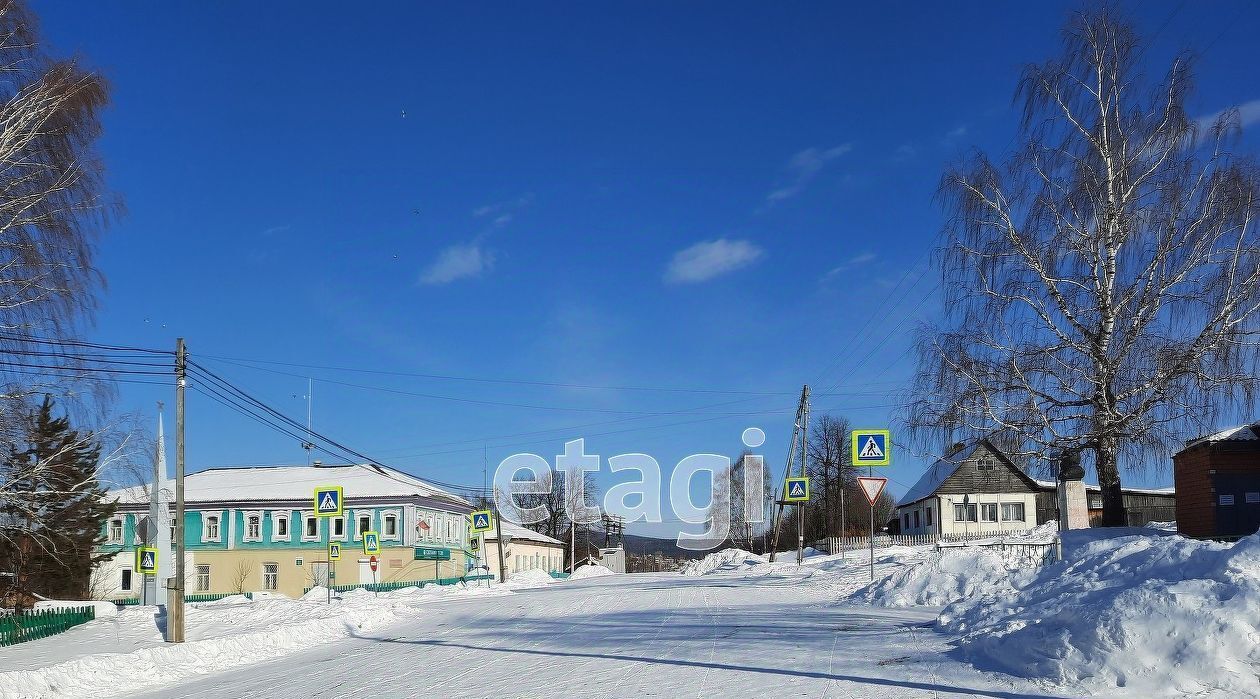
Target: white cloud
704	261
905	151
803	167
856	261
1248	114
460	261
956	133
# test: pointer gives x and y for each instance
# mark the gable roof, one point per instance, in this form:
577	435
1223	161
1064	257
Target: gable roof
947	465
516	531
290	483
1241	433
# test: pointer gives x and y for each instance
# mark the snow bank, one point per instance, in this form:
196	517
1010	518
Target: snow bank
1151	613
530	578
725	560
86	661
590	570
947	576
104	610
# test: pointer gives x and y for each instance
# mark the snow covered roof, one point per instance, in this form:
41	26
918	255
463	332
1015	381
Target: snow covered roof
1051	485
936	474
268	483
516	531
1242	433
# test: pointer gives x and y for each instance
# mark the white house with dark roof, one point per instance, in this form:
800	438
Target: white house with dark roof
975	489
253	528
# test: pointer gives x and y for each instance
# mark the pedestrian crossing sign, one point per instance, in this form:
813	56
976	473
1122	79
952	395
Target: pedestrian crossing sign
481	521
371	543
328	501
334	551
872	447
147	560
796	489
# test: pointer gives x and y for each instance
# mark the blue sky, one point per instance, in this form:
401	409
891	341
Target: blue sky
710	196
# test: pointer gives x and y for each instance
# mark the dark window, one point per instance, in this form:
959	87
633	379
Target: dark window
929	516
986	463
126	580
964	513
916	519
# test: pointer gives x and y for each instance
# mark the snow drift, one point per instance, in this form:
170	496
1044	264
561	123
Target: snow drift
725	560
948	576
529	578
590	570
1151	613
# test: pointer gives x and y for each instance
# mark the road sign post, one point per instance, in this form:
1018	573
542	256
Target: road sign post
334	555
872	487
373	563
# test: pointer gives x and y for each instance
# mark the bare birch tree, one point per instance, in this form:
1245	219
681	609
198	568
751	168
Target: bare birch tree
53	203
1102	283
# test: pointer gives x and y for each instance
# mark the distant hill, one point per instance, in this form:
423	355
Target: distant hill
647	544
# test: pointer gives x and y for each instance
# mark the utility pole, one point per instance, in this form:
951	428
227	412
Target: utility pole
802	415
498	536
175	605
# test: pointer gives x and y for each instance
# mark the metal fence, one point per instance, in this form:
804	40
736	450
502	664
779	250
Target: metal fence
401	584
1028	555
837	544
28	626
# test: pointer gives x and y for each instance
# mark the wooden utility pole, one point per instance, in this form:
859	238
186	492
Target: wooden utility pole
498	539
175	596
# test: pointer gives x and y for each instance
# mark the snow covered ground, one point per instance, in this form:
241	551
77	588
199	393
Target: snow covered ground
1138	612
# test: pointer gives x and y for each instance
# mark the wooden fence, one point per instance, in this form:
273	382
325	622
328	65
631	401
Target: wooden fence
28	626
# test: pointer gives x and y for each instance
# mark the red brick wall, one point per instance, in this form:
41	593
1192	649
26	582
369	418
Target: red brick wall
1192	477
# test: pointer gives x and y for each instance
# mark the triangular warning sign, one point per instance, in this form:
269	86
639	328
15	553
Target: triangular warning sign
328	502
798	490
872	487
871	449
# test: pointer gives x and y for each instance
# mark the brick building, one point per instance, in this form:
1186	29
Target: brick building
1218	484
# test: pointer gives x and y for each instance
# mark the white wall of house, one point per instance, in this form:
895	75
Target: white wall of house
523	555
985	512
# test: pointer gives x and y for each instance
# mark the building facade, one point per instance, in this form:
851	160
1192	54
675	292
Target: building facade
525	549
255	530
975	489
1218	484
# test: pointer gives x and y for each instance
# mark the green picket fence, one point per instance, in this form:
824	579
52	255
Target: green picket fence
28	626
400	584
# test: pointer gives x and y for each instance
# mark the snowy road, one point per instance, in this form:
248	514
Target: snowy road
639	635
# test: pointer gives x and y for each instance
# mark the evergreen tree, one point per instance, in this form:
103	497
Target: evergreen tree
63	519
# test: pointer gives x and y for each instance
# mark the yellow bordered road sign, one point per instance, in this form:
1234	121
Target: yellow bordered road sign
334	551
796	489
871	447
482	521
147	560
371	543
328	500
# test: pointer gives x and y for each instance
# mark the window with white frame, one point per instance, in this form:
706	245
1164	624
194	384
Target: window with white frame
429	530
209	528
253	526
964	513
988	512
1013	511
1095	502
362	523
279	526
271	576
389	525
310	527
116	530
338	528
203	578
